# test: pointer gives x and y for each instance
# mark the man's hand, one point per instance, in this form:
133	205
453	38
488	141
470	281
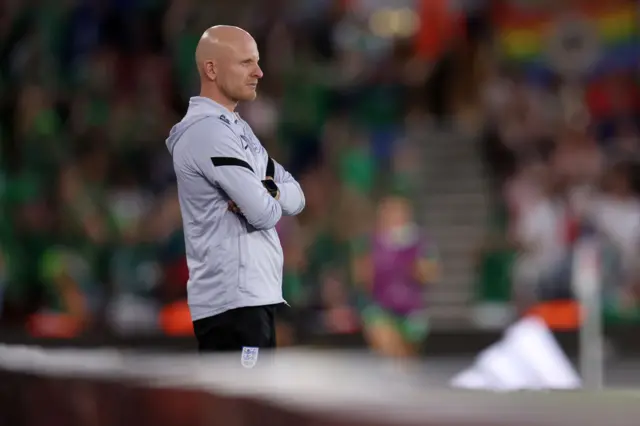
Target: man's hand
233	207
271	187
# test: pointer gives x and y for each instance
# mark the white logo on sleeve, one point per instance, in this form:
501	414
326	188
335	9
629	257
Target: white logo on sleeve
249	356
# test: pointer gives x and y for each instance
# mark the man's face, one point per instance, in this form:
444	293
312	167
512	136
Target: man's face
238	72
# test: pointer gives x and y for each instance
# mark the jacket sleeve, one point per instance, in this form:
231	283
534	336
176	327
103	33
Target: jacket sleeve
220	157
291	196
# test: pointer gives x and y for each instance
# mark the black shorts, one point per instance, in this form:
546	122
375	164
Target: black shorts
233	330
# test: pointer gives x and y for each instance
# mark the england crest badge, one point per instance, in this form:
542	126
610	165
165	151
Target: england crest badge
249	356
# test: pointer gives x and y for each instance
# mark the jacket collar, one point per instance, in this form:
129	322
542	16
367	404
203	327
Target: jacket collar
215	107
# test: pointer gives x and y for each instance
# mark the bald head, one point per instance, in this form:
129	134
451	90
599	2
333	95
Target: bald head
218	42
227	60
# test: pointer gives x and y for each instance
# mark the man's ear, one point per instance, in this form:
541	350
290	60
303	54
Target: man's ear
210	68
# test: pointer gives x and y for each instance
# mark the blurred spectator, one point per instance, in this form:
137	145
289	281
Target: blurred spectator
541	234
577	158
394	266
616	214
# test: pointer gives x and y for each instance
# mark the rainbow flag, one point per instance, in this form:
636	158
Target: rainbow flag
523	36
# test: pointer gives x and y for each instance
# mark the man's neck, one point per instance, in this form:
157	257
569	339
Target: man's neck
217	97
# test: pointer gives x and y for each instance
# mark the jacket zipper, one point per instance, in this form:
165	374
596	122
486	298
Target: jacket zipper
241	265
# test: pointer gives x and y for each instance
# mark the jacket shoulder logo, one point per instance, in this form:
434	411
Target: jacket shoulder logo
225	119
254	144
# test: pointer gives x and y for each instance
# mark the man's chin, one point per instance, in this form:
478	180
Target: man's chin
248	96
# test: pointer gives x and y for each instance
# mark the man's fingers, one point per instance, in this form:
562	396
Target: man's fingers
233	207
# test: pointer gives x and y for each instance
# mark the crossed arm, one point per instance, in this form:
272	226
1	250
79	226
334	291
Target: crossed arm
223	162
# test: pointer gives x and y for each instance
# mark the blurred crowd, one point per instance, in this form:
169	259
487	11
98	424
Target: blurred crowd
563	159
562	154
91	237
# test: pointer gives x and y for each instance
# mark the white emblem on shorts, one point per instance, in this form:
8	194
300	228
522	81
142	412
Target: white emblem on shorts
249	356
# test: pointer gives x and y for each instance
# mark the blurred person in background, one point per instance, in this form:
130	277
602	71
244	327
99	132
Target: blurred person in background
72	267
394	268
134	264
612	100
292	286
624	143
71	293
578	159
317	274
541	235
615	214
32	216
323	293
350	218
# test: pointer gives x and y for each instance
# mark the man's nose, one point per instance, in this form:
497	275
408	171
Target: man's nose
258	72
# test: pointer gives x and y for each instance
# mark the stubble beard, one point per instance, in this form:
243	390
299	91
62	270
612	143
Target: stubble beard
239	98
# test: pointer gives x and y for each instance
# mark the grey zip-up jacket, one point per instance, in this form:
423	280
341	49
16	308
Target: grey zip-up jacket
234	260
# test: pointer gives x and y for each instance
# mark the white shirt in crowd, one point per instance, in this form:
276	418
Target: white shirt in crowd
619	220
541	229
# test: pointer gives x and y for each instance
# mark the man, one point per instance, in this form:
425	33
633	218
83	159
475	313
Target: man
232	195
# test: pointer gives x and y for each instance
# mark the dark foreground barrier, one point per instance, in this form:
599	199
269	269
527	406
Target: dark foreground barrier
303	388
621	339
36	401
